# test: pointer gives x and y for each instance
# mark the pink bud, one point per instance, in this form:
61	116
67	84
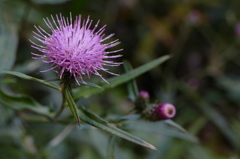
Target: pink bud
144	95
141	101
166	111
158	112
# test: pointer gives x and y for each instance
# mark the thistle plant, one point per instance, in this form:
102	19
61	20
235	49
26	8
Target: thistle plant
76	49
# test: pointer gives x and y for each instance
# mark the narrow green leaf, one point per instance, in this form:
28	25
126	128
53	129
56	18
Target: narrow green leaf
175	125
100	123
132	85
22	102
115	81
26	77
71	104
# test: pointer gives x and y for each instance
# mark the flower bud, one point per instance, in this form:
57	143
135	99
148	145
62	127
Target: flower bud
160	111
144	95
166	111
142	101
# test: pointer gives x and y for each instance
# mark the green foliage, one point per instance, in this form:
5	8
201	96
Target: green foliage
201	79
20	103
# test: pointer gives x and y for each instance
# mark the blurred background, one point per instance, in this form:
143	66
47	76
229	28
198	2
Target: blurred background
202	79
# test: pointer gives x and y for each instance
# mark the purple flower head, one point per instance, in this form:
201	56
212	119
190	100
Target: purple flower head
74	47
165	111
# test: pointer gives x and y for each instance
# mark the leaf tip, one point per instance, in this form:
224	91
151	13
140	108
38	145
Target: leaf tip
78	122
154	148
151	146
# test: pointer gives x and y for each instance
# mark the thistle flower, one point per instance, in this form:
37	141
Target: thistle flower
74	48
160	111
